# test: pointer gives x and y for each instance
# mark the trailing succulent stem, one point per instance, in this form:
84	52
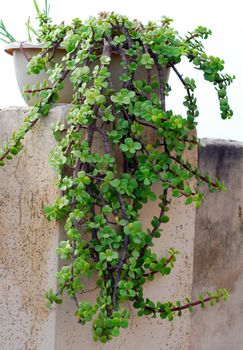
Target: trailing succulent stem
104	188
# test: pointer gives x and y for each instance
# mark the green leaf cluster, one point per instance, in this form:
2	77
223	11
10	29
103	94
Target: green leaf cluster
116	143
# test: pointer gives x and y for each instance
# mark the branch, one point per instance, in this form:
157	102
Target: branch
170	185
161	79
123	255
146	124
74	244
162	211
220	294
29	91
105	139
149	71
194	172
190	96
147	274
181	79
195	303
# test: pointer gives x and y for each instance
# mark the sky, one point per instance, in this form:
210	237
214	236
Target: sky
224	18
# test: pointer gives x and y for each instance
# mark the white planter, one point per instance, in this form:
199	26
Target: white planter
22	53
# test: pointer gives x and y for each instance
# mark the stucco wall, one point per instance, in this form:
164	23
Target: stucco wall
28	259
145	332
27	256
218	258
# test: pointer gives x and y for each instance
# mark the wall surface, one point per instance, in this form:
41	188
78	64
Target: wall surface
145	333
27	241
218	258
28	259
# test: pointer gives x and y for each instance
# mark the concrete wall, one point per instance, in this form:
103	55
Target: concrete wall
218	258
28	260
145	332
27	256
28	248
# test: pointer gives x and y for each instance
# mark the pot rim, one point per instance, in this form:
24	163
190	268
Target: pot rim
20	45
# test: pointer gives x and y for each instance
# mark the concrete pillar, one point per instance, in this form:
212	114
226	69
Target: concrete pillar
27	241
218	258
29	261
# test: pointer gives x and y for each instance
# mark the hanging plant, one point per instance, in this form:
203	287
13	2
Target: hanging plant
102	192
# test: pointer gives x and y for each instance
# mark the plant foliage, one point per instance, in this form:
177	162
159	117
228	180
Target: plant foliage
103	190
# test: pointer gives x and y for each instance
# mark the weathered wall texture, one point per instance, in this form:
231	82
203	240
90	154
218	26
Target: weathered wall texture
218	259
28	259
145	333
27	241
